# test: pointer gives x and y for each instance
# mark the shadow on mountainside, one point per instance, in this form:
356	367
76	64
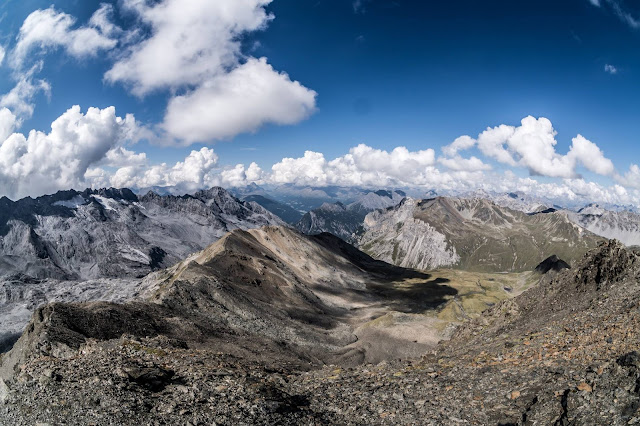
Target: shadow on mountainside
410	296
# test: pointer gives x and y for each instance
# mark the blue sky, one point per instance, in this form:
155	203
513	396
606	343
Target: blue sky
380	73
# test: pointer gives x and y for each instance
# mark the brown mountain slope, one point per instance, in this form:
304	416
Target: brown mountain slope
471	234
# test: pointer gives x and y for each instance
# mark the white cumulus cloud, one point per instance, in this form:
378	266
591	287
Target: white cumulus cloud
460	144
241	101
532	145
46	162
49	28
194	49
189	174
191	41
363	165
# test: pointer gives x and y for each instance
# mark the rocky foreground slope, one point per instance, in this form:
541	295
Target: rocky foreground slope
202	347
471	234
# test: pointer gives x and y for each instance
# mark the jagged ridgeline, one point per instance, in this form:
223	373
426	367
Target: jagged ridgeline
114	233
471	234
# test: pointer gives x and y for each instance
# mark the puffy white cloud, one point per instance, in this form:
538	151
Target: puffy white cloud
198	170
460	144
191	41
532	145
50	29
194	49
363	165
453	161
306	170
241	176
7	123
122	157
458	163
491	143
399	163
590	156
46	162
192	173
241	101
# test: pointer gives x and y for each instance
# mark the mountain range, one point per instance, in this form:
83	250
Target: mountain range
202	308
98	244
114	233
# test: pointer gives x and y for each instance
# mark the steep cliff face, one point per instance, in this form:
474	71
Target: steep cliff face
471	234
397	237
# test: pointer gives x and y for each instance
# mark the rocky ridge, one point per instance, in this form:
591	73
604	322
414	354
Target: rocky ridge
621	225
113	233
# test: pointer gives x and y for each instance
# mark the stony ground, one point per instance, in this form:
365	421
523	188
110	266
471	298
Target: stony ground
564	352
